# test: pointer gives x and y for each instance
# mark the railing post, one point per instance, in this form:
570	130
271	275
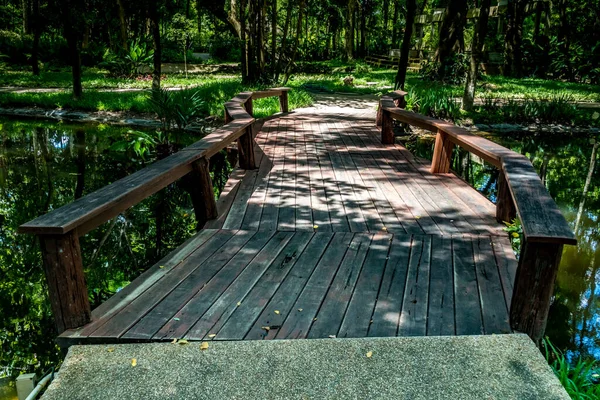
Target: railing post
68	292
505	206
387	128
249	107
442	153
534	287
202	193
283	101
246	150
228	118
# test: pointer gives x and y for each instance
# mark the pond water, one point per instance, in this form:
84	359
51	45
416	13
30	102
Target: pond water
45	165
563	162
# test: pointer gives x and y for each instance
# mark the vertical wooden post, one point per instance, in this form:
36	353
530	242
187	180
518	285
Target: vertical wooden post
228	118
283	101
200	187
534	287
249	107
246	149
387	128
68	292
505	207
442	153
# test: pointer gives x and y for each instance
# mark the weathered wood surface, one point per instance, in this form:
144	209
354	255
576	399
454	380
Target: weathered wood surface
334	234
235	285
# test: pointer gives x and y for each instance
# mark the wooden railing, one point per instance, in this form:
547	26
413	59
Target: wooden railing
520	191
60	229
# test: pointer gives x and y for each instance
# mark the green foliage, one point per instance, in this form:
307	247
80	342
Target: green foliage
515	234
15	47
454	72
581	380
176	107
128	63
141	143
434	103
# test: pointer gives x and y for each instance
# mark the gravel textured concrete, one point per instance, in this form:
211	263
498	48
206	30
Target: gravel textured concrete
462	367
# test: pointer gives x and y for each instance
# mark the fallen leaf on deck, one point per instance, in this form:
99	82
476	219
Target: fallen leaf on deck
183	341
174	341
266	328
277	312
384	229
176	319
369	354
332	336
417	217
110	349
204	346
212	335
315	318
133	362
162	266
315	226
300	309
239	303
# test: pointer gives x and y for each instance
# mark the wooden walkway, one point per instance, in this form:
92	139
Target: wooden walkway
335	234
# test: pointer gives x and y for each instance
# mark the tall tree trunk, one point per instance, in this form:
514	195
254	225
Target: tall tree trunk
564	36
394	24
363	29
273	36
74	55
350	30
155	28
123	25
288	69
515	14
476	54
286	28
386	15
26	13
37	30
411	11
451	33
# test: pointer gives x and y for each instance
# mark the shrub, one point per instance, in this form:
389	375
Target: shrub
454	72
15	47
435	103
128	63
176	107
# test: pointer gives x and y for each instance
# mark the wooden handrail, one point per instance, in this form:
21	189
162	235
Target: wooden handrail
60	229
520	191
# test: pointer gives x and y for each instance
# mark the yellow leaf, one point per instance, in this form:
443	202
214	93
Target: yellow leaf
239	303
515	235
384	229
277	312
266	328
174	341
369	354
183	341
315	318
417	217
162	266
133	362
315	226
204	346
110	349
212	335
300	309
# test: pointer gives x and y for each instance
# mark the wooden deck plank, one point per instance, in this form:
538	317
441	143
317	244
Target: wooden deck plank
242	319
286	295
297	323
330	315
130	314
318	197
413	320
493	306
287	210
271	203
173	316
304	215
440	317
467	307
228	301
507	265
386	317
360	309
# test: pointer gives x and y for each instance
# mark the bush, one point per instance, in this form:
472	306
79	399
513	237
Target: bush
128	63
176	107
454	73
16	47
225	48
434	103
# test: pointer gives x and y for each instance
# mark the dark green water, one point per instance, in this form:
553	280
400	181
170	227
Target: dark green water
45	165
563	163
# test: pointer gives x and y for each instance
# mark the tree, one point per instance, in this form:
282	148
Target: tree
349	41
476	54
411	11
515	14
451	37
155	28
73	12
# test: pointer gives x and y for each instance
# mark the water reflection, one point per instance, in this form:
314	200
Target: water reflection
44	166
564	164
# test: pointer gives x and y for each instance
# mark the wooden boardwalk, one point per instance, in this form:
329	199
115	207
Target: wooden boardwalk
334	234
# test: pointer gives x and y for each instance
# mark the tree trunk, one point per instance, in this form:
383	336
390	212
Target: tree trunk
155	28
350	30
586	187
451	33
37	30
363	29
74	56
514	37
386	14
123	25
80	162
288	69
273	36
564	36
476	54
26	13
394	23
286	28
411	11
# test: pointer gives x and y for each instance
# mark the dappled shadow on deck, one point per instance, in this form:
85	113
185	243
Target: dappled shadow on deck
334	234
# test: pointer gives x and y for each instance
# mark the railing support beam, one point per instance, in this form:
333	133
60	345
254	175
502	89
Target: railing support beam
534	287
505	206
246	150
200	187
249	107
387	128
442	154
283	101
68	293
